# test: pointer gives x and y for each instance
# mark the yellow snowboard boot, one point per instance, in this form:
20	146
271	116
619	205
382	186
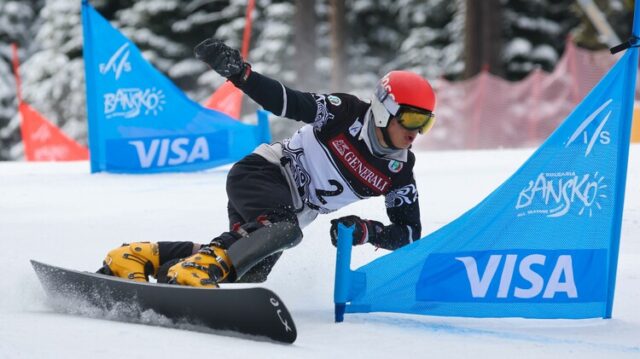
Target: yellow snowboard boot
135	261
206	268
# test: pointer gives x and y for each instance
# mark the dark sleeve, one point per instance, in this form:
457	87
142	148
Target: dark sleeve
403	210
279	99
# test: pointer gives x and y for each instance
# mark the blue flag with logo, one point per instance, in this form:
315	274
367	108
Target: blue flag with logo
543	245
140	122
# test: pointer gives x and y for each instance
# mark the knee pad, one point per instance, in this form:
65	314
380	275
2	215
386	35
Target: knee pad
248	251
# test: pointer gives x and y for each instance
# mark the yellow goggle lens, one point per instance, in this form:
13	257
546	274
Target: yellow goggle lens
421	121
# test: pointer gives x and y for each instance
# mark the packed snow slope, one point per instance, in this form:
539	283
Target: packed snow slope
60	214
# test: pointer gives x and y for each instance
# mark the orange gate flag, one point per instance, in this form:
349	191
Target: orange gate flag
42	140
226	99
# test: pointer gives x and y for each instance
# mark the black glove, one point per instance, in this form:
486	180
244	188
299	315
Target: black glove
222	59
364	231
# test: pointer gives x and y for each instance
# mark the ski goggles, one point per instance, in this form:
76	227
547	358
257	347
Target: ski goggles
415	119
409	117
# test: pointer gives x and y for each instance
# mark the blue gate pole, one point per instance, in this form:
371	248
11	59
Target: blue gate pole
93	127
623	161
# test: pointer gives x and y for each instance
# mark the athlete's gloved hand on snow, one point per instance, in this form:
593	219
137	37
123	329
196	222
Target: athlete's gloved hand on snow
223	59
365	231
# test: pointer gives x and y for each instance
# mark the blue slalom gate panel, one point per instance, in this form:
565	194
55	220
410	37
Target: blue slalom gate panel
140	122
544	244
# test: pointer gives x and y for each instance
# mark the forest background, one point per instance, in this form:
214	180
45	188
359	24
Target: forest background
310	45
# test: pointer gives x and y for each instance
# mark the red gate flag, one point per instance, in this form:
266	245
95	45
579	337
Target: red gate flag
42	140
227	99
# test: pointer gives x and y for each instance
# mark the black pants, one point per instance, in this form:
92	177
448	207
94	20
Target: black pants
255	187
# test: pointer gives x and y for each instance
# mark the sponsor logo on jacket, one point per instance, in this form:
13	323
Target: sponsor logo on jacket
355	163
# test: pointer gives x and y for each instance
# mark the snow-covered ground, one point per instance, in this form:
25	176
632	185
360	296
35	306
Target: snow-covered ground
60	214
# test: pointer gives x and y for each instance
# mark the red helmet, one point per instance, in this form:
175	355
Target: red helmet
404	92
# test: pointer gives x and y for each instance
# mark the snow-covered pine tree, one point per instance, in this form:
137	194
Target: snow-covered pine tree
373	42
230	30
16	26
166	32
108	8
273	51
54	74
151	24
323	42
201	19
434	37
535	33
422	36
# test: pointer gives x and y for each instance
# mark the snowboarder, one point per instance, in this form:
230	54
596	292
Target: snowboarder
349	150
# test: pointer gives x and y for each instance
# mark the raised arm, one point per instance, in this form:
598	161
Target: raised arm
268	93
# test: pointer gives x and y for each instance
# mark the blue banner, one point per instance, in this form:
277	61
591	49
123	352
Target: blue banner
543	245
140	122
548	276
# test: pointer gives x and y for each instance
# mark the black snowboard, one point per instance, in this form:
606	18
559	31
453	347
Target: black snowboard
253	311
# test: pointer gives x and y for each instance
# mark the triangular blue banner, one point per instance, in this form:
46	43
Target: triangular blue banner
140	122
543	245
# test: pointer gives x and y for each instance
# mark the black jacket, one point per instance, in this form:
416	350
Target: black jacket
332	163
